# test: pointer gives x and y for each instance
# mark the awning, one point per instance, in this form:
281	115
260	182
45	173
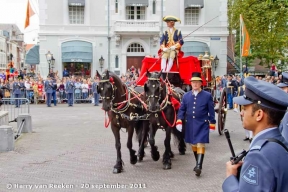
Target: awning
193	3
143	3
32	56
77	51
195	48
76	2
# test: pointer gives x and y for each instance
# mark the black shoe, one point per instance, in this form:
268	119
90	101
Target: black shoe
246	139
198	168
195	155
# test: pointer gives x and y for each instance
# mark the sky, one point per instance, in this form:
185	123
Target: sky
14	12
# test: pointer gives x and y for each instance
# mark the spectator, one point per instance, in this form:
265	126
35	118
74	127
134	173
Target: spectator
65	72
85	88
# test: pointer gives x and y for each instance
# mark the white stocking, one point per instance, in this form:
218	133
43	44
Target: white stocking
170	64
163	64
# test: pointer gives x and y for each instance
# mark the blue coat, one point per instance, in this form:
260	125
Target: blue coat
48	86
17	88
265	167
176	37
70	87
198	111
284	127
94	87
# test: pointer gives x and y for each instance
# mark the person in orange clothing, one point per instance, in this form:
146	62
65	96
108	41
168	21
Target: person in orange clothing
40	89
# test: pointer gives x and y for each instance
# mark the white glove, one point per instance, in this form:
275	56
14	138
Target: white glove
179	127
173	48
165	49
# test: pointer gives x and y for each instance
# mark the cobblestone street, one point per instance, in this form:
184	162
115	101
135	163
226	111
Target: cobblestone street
70	150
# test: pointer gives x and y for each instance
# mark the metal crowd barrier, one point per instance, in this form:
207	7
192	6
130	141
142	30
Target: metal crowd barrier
9	104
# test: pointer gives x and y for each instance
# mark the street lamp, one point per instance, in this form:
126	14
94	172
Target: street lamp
101	62
216	61
52	62
49	57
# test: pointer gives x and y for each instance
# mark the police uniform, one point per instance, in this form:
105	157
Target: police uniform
48	89
284	123
95	93
231	89
70	90
265	167
17	92
172	37
198	111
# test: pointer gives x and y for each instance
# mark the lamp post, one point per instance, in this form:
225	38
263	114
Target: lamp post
101	62
216	62
49	57
52	62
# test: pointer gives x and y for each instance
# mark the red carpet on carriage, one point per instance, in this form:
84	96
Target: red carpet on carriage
187	65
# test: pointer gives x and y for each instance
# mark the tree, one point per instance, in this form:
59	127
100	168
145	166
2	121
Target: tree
267	24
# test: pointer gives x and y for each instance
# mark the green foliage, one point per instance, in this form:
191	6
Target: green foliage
267	24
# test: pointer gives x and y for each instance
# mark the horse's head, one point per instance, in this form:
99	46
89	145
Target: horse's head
106	90
152	90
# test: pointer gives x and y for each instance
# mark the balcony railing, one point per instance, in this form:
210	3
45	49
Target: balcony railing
137	26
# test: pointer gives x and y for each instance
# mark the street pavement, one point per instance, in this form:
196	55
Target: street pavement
70	150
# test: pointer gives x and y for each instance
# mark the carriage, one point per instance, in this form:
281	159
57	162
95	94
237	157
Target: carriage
180	74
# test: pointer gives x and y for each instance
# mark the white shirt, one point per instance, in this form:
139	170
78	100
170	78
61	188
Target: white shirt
84	88
261	133
27	85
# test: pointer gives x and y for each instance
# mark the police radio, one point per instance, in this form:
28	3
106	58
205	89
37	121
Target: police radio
235	158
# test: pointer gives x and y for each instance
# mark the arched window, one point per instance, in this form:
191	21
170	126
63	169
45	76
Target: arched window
135	47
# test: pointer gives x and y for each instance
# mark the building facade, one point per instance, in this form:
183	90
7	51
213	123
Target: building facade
11	46
80	32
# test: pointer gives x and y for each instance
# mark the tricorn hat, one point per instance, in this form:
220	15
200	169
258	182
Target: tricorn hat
196	76
171	18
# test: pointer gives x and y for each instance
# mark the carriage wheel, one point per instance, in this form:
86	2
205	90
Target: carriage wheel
222	111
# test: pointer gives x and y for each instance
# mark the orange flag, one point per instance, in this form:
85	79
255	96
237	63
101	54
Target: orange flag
29	13
245	39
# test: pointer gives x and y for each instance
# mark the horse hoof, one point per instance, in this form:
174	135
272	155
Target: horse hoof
156	156
133	160
167	166
117	170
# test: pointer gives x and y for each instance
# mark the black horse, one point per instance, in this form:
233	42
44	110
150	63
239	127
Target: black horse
125	110
162	115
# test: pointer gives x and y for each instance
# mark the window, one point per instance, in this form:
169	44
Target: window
154	7
192	16
116	61
135	47
135	13
76	14
116	6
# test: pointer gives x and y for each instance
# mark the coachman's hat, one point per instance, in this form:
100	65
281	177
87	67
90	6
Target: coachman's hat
284	80
196	76
264	94
171	18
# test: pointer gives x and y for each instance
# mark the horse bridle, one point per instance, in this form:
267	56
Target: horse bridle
113	90
155	96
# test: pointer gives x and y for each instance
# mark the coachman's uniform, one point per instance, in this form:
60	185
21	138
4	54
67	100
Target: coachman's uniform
265	167
197	109
172	40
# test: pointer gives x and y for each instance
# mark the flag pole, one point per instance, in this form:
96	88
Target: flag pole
241	75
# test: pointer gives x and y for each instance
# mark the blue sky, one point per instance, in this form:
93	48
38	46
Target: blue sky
14	11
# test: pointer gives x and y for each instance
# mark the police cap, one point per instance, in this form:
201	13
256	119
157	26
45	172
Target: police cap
264	94
284	80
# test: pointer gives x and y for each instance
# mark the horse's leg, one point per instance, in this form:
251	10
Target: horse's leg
167	154
154	149
133	157
119	163
143	139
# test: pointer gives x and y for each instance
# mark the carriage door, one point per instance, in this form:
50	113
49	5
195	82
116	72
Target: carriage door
135	55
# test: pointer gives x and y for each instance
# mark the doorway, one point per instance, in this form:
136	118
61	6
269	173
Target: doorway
135	61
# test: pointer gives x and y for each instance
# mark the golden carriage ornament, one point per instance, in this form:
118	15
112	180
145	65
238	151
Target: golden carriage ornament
208	65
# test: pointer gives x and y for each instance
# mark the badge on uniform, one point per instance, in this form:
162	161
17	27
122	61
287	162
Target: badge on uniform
251	175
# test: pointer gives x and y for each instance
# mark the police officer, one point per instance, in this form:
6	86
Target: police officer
265	167
231	90
48	89
284	123
197	108
70	90
95	93
17	92
54	89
